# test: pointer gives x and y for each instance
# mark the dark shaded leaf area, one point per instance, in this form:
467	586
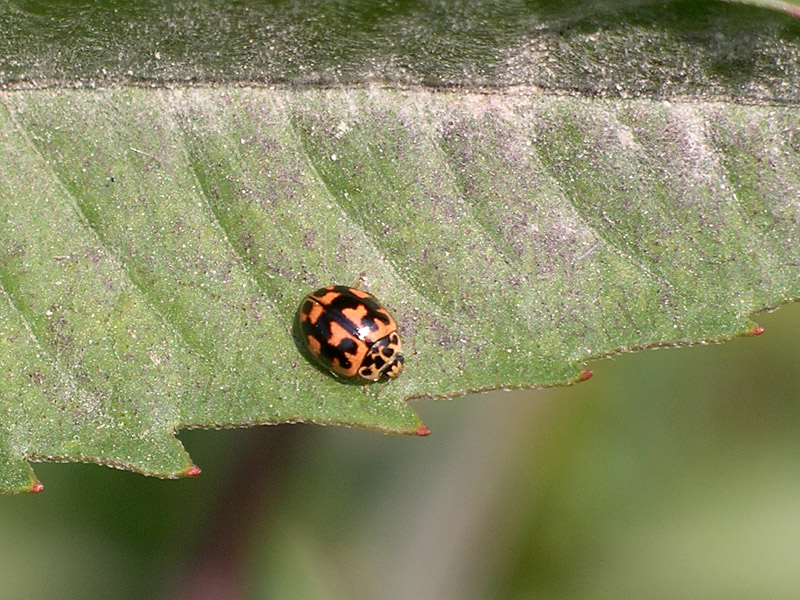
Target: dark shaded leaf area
612	47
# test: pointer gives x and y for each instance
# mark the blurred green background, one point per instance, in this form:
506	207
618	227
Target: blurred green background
670	474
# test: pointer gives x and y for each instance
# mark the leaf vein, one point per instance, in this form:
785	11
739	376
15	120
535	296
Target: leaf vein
375	241
118	263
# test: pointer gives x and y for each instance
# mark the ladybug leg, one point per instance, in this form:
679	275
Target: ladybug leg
360	280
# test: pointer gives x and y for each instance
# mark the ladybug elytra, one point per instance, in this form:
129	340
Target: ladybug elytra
349	332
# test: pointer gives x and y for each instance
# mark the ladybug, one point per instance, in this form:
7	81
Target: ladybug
351	333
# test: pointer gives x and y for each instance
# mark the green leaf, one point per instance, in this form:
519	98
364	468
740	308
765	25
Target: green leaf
155	241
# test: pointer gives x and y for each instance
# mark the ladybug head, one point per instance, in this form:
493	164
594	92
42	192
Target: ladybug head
383	360
394	368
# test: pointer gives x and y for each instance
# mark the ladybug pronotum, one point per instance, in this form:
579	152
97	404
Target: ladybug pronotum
350	333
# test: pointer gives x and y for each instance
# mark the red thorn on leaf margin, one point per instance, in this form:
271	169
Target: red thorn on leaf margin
36	487
585	375
192	471
757	330
422	431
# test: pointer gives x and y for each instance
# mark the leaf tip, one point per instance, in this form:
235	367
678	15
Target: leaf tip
422	431
192	471
36	487
756	330
586	374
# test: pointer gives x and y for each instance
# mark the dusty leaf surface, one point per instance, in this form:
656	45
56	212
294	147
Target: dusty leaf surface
156	240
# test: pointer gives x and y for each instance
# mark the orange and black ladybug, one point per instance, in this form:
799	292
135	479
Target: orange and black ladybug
351	333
